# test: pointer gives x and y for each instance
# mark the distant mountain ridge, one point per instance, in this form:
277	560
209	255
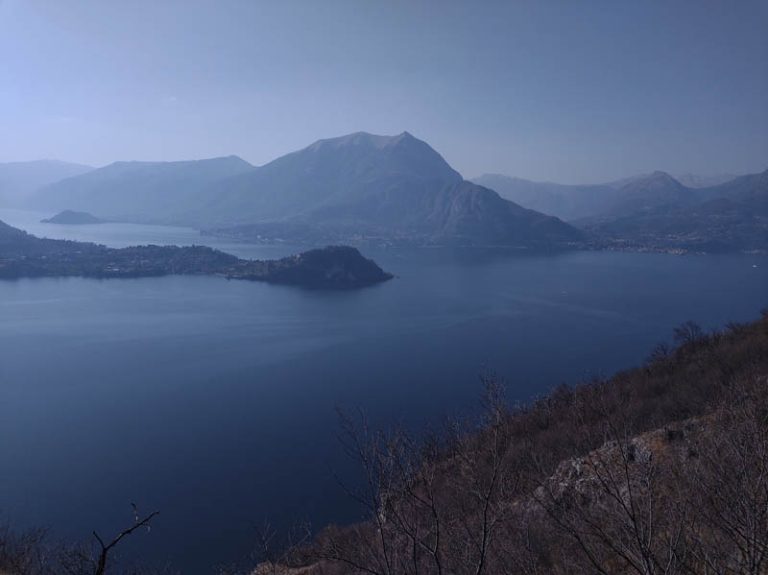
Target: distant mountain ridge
139	191
752	187
699	181
565	201
355	187
573	202
728	217
365	188
650	192
18	180
655	211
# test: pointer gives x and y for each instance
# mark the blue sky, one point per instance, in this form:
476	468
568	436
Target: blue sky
572	91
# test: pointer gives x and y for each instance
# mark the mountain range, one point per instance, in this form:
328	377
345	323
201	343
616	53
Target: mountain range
574	202
363	188
139	191
360	186
18	180
655	211
729	217
697	181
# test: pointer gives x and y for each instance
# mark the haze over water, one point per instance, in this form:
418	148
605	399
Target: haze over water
214	401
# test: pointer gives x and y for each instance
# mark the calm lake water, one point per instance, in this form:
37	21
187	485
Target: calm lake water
214	401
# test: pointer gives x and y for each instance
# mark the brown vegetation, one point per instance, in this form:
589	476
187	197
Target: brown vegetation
32	553
659	470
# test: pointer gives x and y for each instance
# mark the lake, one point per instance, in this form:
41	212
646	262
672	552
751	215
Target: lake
214	401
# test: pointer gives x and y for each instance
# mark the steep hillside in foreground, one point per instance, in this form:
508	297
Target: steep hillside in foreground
660	469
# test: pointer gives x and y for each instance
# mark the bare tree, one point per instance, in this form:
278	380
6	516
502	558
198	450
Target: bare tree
658	471
727	487
106	548
274	554
435	505
688	333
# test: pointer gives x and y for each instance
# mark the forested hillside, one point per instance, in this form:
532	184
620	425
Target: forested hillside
659	469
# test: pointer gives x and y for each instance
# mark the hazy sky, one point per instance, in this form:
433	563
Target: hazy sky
567	91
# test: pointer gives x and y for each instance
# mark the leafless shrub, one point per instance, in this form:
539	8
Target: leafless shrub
661	470
32	552
688	333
